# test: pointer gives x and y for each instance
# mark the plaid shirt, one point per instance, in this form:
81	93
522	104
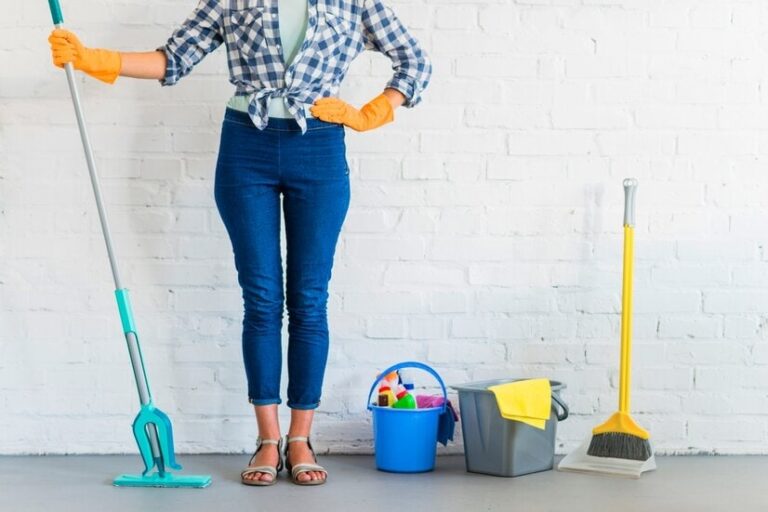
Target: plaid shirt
337	31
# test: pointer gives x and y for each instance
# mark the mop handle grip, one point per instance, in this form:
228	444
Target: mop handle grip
630	193
58	17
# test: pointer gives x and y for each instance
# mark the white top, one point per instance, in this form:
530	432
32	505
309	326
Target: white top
292	19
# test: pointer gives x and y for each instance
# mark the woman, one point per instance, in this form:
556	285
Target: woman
283	134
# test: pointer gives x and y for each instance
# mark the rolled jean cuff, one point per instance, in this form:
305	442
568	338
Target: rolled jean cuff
303	407
264	401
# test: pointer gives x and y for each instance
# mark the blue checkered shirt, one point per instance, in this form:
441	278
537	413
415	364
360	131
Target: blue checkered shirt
337	31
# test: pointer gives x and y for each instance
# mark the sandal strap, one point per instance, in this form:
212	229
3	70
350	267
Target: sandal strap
259	443
306	468
300	439
259	469
303	467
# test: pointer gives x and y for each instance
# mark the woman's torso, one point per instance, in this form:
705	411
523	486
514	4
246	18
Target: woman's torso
261	71
292	21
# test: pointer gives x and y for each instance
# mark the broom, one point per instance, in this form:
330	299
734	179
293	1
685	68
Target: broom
621	437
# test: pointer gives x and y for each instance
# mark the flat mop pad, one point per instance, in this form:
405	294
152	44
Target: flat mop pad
580	462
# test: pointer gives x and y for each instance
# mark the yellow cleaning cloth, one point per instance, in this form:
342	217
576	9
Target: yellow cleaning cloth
529	401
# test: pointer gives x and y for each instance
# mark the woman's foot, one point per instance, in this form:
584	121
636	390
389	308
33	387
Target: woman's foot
268	452
268	455
300	453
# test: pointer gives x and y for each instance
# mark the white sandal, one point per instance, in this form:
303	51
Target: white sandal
304	467
268	470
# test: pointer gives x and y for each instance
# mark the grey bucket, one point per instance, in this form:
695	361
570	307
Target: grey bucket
497	446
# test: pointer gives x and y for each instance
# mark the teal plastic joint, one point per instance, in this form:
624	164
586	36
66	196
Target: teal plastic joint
156	472
126	313
152	417
58	17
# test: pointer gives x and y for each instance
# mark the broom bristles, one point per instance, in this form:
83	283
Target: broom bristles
620	446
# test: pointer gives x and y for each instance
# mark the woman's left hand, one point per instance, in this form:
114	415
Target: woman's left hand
373	115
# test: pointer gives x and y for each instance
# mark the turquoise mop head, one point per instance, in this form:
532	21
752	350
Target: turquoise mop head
152	427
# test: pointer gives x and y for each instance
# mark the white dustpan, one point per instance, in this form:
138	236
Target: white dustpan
578	461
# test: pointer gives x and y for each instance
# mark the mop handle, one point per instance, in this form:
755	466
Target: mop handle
88	149
89	158
121	294
58	17
630	192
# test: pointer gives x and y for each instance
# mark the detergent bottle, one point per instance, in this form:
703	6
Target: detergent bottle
392	379
405	400
386	396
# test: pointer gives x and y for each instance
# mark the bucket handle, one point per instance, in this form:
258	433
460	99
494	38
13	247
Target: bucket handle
409	364
559	401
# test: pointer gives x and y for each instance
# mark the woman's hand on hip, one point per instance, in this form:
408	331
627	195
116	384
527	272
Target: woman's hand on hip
374	114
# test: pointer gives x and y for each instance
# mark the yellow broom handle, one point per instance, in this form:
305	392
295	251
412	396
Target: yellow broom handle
626	319
630	188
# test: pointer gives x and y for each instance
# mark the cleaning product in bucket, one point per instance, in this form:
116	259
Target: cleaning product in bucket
386	396
405	400
393	378
406	377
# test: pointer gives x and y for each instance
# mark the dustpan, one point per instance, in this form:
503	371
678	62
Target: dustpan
579	462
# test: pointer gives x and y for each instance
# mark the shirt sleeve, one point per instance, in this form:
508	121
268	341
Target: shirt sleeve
385	33
198	36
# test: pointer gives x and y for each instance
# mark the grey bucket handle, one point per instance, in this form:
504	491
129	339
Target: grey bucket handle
561	416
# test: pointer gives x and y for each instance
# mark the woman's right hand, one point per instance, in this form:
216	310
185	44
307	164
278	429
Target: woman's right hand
103	65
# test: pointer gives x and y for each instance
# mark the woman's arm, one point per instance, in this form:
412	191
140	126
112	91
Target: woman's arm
198	36
385	33
150	65
395	97
105	65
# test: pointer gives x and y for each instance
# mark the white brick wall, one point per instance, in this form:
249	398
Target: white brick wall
483	237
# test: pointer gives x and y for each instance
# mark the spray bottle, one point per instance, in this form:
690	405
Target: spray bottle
405	400
406	378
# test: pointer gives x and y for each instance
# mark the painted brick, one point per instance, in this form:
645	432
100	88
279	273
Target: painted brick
484	234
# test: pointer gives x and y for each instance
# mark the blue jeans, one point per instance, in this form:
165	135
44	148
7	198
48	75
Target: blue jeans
310	172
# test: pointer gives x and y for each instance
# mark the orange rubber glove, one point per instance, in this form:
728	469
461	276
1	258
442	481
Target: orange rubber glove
103	65
373	115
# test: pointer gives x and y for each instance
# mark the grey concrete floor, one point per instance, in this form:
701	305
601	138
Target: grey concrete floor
83	483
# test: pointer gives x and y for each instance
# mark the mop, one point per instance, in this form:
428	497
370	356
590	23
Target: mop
151	427
619	446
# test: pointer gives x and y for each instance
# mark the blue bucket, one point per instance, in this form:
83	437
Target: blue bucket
405	440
